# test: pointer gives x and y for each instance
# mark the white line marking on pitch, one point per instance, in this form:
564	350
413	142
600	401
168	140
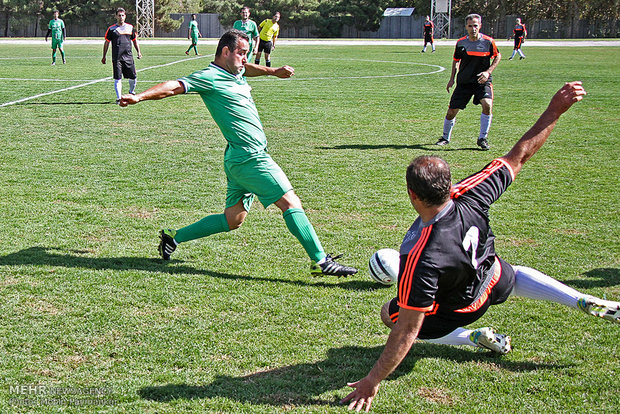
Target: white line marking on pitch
93	82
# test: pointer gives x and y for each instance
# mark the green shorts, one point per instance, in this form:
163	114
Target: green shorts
56	43
194	40
261	176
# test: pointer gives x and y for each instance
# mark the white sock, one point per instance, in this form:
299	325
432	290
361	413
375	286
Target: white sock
485	125
424	48
447	128
460	336
520	53
132	85
118	87
531	283
514	52
433	46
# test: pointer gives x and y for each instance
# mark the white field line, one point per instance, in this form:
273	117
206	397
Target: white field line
92	82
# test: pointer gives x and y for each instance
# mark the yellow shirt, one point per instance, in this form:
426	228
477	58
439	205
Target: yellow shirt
269	30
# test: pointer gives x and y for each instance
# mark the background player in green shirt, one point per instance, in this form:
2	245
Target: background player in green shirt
194	34
56	28
249	168
248	27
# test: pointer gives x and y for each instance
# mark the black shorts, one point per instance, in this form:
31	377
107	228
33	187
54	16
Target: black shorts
265	46
518	42
438	322
428	38
463	93
124	68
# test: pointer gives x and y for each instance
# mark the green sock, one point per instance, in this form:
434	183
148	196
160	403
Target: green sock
215	223
62	53
54	56
298	224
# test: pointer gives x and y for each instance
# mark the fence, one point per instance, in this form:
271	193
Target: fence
400	27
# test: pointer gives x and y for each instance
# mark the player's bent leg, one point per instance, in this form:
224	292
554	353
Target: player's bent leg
385	315
235	215
487	338
606	309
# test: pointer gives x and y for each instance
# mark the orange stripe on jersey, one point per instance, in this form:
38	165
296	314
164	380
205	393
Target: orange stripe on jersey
479	53
469	183
404	289
485	295
394	317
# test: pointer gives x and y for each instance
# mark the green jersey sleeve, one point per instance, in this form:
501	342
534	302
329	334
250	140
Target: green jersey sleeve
200	81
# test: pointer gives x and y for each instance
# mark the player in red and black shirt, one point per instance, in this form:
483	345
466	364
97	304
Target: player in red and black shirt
450	273
519	33
472	58
122	35
429	27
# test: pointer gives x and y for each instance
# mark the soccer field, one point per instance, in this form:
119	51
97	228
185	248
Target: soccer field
235	323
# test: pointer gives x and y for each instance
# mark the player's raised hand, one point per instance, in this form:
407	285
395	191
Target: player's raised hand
128	99
568	94
285	72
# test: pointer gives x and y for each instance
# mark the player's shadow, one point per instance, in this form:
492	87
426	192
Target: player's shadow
303	384
65	103
597	278
79	259
423	147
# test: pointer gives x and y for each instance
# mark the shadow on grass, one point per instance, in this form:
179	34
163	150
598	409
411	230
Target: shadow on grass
303	384
50	256
603	277
424	147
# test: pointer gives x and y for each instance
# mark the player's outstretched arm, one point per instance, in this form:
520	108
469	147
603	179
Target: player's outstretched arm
399	343
160	91
252	70
533	139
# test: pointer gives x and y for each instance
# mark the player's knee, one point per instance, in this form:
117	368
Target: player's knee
451	114
385	315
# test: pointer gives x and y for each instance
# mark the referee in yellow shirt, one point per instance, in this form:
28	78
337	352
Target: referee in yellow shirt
269	30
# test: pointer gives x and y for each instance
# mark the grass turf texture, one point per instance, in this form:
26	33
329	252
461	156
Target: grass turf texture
234	323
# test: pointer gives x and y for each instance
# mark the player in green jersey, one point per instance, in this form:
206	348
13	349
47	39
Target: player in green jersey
250	28
249	168
194	34
56	28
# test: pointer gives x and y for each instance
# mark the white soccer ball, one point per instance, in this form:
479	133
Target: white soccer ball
384	266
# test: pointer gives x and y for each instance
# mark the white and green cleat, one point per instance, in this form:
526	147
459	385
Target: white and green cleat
487	338
605	309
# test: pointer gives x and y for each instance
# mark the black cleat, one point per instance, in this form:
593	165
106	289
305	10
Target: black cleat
330	267
483	144
167	245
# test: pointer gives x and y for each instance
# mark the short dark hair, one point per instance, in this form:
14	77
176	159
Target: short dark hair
230	39
193	15
430	179
120	9
472	17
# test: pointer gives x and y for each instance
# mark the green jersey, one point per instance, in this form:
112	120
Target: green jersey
230	103
193	28
56	26
249	28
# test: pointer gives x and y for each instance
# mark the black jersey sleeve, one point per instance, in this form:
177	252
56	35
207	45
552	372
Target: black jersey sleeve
487	185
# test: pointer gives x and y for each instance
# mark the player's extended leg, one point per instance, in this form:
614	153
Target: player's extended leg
485	122
531	283
448	125
53	57
298	224
514	52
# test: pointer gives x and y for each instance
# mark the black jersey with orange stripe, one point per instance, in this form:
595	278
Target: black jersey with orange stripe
121	38
519	30
448	260
474	57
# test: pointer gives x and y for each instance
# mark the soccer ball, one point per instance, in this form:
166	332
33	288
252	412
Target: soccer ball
384	266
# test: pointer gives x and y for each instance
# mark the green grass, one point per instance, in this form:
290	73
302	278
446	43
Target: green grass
235	323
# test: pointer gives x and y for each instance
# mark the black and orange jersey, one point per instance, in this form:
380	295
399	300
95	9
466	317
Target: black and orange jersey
474	57
451	261
428	28
121	38
520	30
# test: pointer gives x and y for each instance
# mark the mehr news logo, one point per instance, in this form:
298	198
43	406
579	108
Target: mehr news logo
40	395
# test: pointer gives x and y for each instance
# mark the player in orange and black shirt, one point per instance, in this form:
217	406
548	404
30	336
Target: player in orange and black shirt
472	58
450	273
121	35
519	33
429	27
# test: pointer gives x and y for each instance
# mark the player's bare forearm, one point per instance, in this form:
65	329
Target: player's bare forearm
105	51
253	70
533	139
159	91
494	63
401	338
